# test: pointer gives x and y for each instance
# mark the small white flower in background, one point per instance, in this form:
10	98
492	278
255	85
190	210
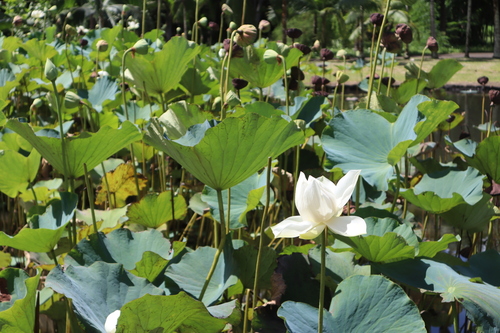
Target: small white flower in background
81	30
38	14
133	25
111	321
102	73
320	203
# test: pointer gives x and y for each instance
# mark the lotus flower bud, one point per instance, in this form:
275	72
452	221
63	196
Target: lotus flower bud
83	42
317	80
52	9
432	44
293	84
341	77
264	26
388	81
214	26
178	31
246	35
69	30
301	124
494	96
233	26
303	48
102	45
141	47
216	103
226	9
203	22
390	42
71	100
403	31
294	33
125	9
483	80
296	73
50	70
17	21
232	99
341	53
237	50
271	57
69	16
316	45
239	84
37	102
376	19
326	54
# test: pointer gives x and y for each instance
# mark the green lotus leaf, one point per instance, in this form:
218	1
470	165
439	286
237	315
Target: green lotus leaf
168	314
384	305
110	218
154	210
231	151
98	290
150	266
479	299
307	109
103	90
17	171
245	259
165	71
8	81
45	229
38	49
407	90
362	139
18	314
473	218
230	311
244	197
485	265
180	116
110	248
255	70
431	248
435	112
85	148
442	72
441	191
190	273
485	157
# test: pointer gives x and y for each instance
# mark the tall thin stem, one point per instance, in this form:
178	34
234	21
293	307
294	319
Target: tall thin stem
322	278
61	132
420	68
90	194
398	186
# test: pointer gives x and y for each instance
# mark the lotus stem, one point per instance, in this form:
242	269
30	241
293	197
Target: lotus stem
228	220
90	195
382	71
245	317
54	257
143	25
482	112
372	58
158	18
286	85
455	313
420	68
223	97
358	190
390	76
343	89
219	41
197	8
377	47
322	278
398	186
295	176
61	133
490	118
221	245
261	239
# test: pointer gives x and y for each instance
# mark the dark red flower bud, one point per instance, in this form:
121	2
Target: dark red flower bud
450	119
403	31
303	48
237	50
388	81
494	96
375	77
83	42
326	54
294	33
214	26
376	19
391	42
432	44
239	84
296	73
483	80
293	84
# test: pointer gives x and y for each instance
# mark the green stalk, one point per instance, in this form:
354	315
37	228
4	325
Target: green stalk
295	176
490	116
219	249
482	112
398	186
158	18
420	68
197	7
243	12
322	278
61	132
245	317
390	76
381	70
261	239
226	84
143	25
377	47
286	85
343	89
90	194
220	28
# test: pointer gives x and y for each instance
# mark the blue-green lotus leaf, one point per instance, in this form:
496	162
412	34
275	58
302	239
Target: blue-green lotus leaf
474	217
485	156
104	89
231	151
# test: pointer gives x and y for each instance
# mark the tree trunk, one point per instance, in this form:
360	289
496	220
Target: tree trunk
496	13
362	26
432	17
284	17
467	30
443	16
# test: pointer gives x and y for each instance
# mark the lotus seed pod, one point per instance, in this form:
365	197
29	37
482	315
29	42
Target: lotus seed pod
237	50
271	57
316	45
226	9
294	33
403	31
17	21
83	42
296	73
232	26
203	22
178	31
483	80
326	54
102	45
245	35
432	44
71	100
494	96
386	81
216	103
303	48
301	124
50	70
376	19
264	26
390	42
70	30
52	9
232	99
141	47
37	102
341	77
214	26
239	84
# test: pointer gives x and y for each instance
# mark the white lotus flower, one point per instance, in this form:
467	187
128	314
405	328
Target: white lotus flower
111	321
132	25
37	14
320	202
